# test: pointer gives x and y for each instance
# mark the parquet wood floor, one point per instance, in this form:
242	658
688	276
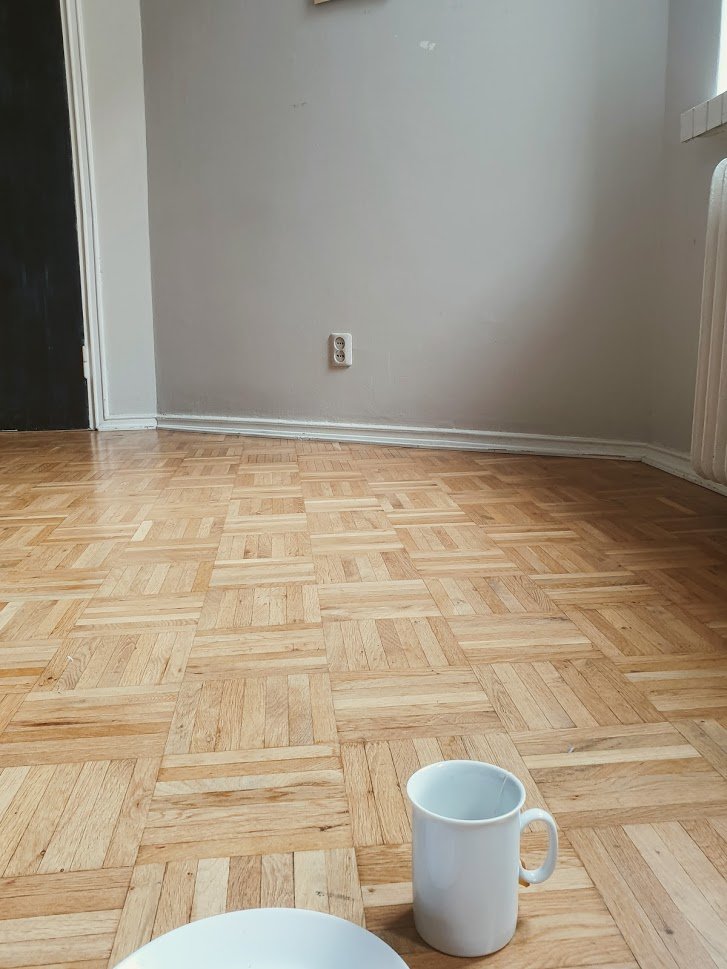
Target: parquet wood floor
221	659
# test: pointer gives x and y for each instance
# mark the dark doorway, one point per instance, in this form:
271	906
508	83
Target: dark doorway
42	385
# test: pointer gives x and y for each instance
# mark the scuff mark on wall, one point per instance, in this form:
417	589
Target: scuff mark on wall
427	45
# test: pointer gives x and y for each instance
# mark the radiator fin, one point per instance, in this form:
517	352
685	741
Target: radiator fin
709	430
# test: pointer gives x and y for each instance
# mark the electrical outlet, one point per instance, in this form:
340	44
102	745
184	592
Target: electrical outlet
341	350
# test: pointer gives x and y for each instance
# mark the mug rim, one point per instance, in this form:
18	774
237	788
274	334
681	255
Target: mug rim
466	822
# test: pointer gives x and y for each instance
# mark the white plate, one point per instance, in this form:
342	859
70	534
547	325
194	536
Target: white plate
267	938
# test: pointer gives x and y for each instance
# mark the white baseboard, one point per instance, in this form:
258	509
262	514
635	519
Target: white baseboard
679	464
130	422
402	435
673	462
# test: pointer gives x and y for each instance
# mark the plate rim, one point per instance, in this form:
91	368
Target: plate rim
307	914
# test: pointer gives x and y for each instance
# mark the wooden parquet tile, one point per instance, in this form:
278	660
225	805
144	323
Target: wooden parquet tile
579	693
416	703
177	892
253	712
371	566
627	633
667	895
156	579
127	659
39	619
247	802
279	561
172	538
262	650
522	637
594	775
61	920
391	644
489	595
686	688
221	658
260	606
68	817
92	724
398	598
137	613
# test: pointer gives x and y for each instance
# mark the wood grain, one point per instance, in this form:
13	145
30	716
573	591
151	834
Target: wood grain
221	659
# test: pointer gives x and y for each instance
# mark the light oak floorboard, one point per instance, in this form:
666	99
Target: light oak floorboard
221	659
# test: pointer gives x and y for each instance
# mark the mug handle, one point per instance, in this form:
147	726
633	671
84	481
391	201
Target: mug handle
533	877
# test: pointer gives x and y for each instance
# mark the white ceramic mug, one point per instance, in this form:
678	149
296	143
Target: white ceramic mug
466	855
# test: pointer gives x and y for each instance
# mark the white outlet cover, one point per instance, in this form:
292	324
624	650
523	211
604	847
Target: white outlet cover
341	349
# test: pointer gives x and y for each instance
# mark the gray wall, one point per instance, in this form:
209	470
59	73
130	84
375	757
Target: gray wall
691	77
483	216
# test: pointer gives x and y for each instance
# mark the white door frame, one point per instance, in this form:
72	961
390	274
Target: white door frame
87	228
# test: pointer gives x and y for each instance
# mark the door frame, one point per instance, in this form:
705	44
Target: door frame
87	227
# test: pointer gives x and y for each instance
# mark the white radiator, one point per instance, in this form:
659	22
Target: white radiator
709	431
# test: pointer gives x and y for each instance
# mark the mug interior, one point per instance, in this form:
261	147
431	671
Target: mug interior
465	790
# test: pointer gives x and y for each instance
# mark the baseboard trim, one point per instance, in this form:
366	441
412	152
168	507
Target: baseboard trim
679	464
131	422
665	459
405	435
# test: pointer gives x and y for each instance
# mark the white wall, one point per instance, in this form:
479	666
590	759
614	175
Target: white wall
481	215
694	27
111	37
